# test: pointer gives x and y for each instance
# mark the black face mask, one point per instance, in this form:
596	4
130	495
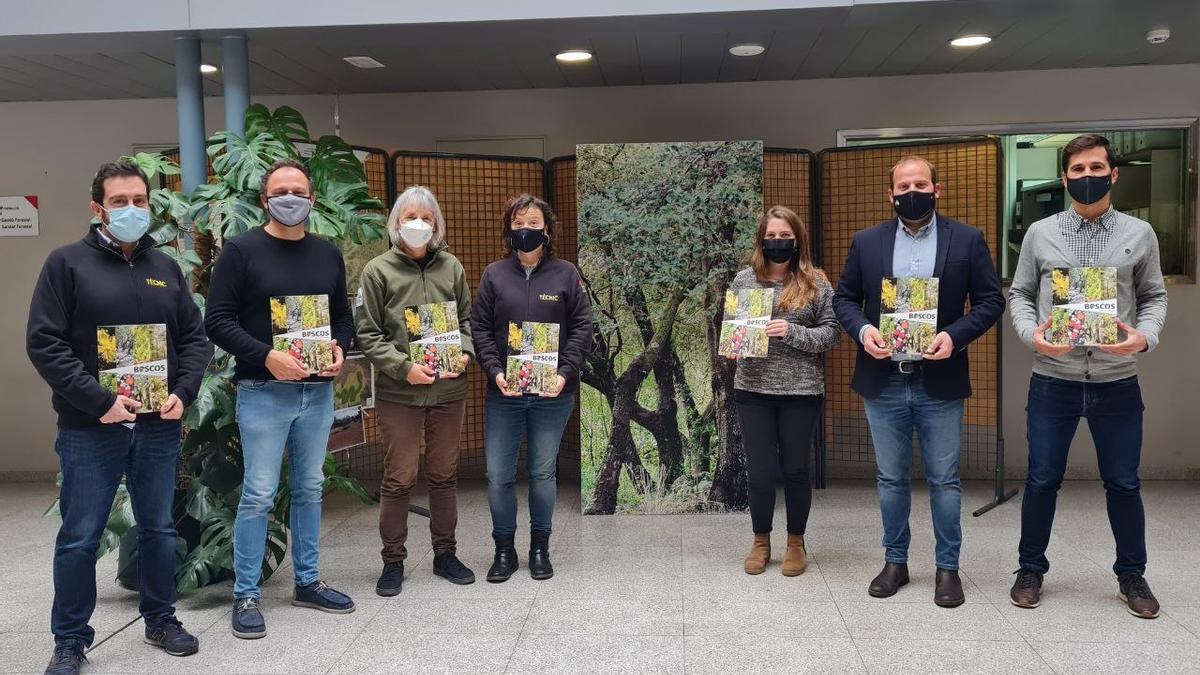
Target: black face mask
526	240
1089	189
913	205
779	250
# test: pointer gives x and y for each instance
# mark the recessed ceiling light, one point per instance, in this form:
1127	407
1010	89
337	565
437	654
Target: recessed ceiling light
362	62
747	50
207	68
574	56
970	41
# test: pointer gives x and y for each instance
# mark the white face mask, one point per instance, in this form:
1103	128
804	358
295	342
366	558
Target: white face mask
416	233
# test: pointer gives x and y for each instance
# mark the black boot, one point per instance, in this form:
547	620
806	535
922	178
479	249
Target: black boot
887	582
539	556
506	560
948	590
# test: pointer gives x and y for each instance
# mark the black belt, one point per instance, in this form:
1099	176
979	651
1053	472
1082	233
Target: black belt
907	367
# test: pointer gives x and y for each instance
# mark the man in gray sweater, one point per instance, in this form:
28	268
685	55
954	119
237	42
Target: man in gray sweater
1094	382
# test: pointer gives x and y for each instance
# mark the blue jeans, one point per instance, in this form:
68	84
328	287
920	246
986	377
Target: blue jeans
274	415
1114	415
901	407
542	420
92	461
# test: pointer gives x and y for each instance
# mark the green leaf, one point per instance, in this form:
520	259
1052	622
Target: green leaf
212	559
285	125
188	261
229	215
337	479
202	503
242	162
277	538
333	161
153	164
343	212
169	205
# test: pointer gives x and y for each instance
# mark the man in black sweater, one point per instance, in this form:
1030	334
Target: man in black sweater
261	278
111	300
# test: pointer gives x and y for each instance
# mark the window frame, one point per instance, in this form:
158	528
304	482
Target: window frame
1189	125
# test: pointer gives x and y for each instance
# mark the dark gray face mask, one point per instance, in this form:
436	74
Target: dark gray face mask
289	210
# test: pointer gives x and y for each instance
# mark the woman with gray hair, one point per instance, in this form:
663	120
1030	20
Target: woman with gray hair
414	326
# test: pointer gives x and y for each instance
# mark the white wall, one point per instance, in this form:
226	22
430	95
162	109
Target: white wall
51	149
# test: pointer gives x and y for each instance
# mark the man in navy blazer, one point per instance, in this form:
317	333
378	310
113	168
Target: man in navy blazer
925	391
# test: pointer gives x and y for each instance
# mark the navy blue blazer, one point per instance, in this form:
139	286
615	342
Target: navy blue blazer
965	271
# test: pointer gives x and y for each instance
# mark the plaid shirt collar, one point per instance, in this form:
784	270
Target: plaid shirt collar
1106	221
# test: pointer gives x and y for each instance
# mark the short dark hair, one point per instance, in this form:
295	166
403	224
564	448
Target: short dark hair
1087	142
520	204
119	169
907	159
285	164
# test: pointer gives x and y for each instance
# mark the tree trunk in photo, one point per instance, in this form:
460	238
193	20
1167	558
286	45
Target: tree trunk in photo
621	449
729	480
663	421
698	443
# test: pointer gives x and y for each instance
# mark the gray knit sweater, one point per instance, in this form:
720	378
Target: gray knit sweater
1141	295
795	363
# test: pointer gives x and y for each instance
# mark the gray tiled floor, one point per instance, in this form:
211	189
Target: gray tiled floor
664	594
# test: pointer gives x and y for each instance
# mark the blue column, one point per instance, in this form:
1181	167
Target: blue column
235	67
189	101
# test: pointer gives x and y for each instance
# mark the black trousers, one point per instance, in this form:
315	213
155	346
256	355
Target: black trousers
777	434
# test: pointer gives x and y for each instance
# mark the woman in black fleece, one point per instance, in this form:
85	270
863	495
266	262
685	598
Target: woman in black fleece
533	396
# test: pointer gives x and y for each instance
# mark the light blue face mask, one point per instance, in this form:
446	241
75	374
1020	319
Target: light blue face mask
128	223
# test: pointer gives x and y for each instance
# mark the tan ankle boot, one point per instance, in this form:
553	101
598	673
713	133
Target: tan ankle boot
760	554
795	560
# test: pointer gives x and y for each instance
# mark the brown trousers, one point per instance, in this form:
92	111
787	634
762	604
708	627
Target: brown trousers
403	427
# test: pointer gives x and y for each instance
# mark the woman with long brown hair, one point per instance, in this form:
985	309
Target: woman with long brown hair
779	396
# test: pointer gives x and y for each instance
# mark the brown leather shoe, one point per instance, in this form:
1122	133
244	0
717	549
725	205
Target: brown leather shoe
1027	589
948	590
888	581
759	555
795	560
1137	596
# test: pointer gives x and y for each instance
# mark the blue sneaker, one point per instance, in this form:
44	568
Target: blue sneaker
318	595
170	636
248	621
68	659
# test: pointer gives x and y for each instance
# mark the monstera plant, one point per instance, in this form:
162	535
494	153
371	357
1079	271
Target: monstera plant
210	477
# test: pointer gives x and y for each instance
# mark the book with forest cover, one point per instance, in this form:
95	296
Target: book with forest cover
1085	306
744	326
532	366
908	309
434	339
132	361
300	326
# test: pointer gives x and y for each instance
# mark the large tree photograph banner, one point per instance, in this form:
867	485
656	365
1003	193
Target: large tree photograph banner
663	227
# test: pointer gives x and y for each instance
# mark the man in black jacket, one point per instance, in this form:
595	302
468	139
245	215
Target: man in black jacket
903	390
111	302
260	278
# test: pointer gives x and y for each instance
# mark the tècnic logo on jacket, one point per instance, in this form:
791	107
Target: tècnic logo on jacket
157	283
546	297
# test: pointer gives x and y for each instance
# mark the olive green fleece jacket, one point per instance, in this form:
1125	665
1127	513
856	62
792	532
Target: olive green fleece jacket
390	282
